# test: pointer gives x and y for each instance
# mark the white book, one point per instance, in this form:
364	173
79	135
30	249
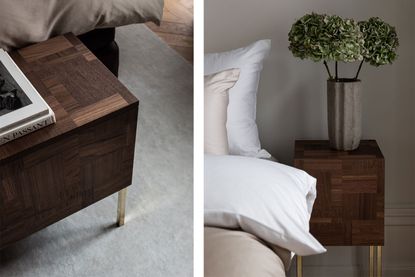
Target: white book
27	128
22	109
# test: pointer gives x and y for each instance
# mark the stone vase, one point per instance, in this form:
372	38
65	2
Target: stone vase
344	107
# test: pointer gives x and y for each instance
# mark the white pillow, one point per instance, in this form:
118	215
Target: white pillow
267	199
241	125
216	104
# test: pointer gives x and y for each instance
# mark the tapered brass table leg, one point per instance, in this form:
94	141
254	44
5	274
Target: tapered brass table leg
122	195
371	261
299	266
379	261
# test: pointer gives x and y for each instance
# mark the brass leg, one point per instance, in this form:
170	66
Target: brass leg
371	261
299	266
379	261
122	195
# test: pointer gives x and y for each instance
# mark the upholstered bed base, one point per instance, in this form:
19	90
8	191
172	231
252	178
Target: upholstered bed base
233	253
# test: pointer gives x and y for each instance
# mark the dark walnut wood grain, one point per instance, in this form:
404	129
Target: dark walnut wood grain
87	155
349	209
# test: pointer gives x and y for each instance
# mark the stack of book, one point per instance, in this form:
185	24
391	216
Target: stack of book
22	109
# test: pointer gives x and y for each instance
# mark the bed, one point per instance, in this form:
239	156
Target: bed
25	22
256	210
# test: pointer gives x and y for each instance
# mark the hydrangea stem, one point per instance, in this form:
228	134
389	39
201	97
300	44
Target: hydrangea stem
328	70
337	75
358	71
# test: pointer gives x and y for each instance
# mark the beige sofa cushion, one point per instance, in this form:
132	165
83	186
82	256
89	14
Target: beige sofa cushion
23	22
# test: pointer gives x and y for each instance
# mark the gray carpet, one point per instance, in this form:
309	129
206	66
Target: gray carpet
157	239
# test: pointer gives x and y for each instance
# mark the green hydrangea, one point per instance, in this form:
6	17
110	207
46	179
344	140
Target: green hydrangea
380	41
326	37
322	37
308	38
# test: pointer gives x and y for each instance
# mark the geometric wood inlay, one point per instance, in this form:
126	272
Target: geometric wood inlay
349	209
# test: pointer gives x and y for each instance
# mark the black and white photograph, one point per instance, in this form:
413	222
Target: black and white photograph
22	108
20	102
12	96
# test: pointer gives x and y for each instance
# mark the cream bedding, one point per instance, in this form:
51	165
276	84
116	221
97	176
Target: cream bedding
233	253
23	22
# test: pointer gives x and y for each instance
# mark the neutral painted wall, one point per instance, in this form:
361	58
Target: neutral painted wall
292	101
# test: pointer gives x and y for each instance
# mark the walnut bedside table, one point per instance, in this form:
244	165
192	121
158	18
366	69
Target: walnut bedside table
85	156
349	209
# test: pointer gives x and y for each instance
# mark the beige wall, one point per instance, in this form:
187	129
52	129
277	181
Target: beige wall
292	97
292	100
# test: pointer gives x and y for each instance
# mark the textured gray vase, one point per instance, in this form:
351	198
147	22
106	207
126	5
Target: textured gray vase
344	107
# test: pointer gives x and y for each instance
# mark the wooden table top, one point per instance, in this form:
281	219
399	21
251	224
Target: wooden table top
75	84
320	149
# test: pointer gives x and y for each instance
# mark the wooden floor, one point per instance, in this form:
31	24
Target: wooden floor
176	27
